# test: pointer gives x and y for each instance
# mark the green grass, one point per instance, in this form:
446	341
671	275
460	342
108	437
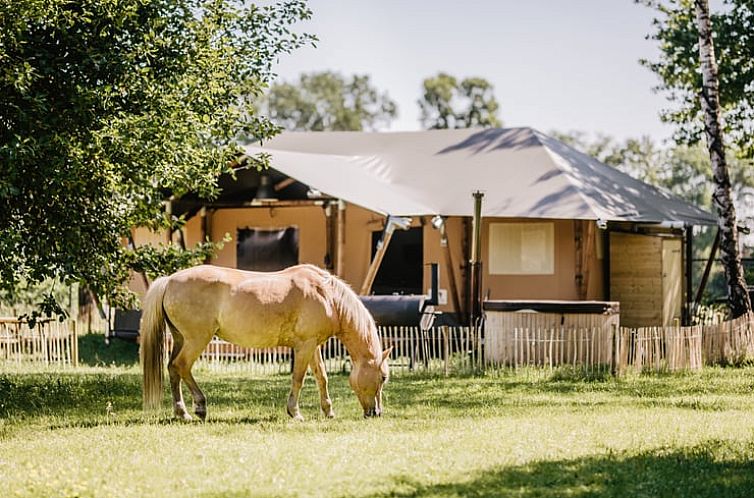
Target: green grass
508	435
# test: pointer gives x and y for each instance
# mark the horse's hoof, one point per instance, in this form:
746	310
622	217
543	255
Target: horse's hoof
185	417
202	416
298	417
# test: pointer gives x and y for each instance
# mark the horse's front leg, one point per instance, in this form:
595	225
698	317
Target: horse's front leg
302	355
320	374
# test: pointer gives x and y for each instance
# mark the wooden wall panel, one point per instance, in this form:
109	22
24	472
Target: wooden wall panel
636	278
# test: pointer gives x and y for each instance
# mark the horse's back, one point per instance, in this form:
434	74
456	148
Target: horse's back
254	309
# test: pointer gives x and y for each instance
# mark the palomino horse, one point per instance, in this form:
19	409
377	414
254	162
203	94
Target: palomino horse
299	307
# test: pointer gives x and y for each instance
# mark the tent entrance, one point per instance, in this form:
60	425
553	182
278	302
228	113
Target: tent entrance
401	271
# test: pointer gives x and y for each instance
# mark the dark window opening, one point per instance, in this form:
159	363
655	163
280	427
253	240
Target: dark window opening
265	249
401	271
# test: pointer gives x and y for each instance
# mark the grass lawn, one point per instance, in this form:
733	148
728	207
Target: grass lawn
509	435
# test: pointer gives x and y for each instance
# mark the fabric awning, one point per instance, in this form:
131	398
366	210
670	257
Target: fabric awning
522	172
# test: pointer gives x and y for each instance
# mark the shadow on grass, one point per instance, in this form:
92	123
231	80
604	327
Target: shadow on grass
102	420
94	352
571	389
711	469
85	395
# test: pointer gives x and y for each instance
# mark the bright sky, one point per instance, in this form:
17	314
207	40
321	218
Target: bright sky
555	64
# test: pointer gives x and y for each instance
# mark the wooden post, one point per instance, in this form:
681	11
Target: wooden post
454	295
75	343
446	347
374	266
688	312
329	237
390	225
587	254
340	249
476	256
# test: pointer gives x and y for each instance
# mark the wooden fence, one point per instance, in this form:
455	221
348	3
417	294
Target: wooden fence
442	350
621	349
449	350
49	343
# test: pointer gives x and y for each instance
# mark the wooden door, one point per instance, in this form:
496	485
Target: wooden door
672	281
636	278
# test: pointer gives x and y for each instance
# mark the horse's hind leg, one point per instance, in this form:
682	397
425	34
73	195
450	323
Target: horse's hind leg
320	374
179	407
301	358
182	364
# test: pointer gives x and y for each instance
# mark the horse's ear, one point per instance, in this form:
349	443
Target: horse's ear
386	353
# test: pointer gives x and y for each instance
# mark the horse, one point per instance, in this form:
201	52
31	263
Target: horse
299	307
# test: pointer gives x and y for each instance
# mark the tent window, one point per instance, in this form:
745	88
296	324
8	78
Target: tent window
267	249
522	249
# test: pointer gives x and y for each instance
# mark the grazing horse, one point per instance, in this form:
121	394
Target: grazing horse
299	307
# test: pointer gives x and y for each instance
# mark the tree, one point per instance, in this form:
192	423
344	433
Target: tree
328	101
677	38
738	296
110	106
711	99
448	103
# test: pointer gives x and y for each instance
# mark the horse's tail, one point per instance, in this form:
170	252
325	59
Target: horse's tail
152	336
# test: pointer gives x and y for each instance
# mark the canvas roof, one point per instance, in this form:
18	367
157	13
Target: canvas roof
522	172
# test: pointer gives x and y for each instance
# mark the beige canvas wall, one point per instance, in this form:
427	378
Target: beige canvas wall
561	284
361	223
310	221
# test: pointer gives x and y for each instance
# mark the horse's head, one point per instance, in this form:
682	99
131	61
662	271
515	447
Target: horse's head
367	380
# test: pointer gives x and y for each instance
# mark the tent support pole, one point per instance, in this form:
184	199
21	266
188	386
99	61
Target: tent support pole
329	237
476	263
340	249
689	269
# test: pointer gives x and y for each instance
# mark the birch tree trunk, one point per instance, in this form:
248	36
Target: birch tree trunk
738	296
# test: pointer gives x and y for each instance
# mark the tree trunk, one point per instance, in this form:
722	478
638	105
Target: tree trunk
738	296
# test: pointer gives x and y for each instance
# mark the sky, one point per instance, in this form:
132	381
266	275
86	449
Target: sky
555	64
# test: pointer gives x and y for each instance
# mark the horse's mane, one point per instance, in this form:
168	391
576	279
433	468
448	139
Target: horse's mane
352	314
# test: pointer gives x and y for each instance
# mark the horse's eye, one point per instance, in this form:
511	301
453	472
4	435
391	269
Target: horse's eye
384	378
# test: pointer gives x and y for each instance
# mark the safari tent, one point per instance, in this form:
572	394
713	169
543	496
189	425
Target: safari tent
556	224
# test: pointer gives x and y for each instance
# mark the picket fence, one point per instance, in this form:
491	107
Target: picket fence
442	349
454	350
49	343
450	350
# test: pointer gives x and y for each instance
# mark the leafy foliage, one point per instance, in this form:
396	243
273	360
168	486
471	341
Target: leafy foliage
328	101
678	68
110	106
449	103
